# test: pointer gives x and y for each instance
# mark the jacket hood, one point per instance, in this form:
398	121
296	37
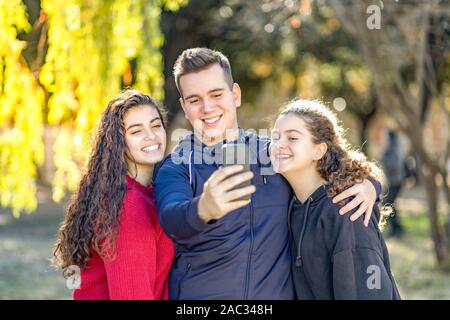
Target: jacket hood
315	198
191	150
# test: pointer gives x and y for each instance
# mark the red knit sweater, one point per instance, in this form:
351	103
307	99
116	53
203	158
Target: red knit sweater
144	255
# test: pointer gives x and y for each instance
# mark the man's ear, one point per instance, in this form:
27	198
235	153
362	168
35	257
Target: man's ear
237	94
183	106
321	149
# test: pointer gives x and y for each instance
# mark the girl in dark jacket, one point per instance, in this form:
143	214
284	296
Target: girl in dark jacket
333	258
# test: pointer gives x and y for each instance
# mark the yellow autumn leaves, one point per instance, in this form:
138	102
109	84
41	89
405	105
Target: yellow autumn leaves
91	45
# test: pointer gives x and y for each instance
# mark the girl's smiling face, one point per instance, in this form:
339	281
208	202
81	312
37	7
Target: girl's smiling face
145	136
292	147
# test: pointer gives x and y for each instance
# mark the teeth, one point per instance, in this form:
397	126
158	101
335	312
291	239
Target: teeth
212	120
283	156
151	148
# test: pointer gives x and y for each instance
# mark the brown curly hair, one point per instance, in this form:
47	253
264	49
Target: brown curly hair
341	166
92	216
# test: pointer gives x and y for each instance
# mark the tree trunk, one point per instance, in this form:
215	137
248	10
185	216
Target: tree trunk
447	224
366	119
428	175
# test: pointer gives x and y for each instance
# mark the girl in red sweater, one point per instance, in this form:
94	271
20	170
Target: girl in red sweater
111	229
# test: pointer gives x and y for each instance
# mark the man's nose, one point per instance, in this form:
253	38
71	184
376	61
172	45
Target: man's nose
208	106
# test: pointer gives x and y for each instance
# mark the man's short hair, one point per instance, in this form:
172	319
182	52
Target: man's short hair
197	59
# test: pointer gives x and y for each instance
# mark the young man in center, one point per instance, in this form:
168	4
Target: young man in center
227	248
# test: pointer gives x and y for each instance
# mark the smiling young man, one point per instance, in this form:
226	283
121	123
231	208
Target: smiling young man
226	247
210	105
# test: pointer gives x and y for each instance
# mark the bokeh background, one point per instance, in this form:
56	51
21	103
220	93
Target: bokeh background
382	66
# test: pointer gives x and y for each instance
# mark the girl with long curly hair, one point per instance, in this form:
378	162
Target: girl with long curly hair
111	229
332	257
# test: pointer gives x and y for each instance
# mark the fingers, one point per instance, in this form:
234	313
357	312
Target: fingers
217	198
367	216
350	206
241	192
236	180
346	194
358	213
233	205
222	173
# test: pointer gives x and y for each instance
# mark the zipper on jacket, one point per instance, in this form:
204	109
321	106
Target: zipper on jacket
291	203
250	252
188	267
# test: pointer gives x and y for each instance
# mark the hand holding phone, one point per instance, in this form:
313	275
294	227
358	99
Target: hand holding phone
228	188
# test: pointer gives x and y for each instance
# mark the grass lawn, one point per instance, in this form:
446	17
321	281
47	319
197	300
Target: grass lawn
25	251
26	273
412	257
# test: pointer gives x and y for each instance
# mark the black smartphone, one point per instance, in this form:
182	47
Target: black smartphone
237	154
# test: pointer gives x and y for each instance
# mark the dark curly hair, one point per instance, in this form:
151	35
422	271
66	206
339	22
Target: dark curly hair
341	166
92	216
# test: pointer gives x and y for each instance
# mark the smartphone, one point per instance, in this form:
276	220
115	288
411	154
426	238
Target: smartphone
237	154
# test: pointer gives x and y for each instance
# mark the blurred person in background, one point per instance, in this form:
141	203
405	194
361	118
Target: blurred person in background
394	165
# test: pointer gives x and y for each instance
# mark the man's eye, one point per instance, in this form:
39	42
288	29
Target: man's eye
193	101
134	132
217	95
292	138
157	126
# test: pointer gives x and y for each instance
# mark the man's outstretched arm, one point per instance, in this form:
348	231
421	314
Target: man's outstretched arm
177	206
181	214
